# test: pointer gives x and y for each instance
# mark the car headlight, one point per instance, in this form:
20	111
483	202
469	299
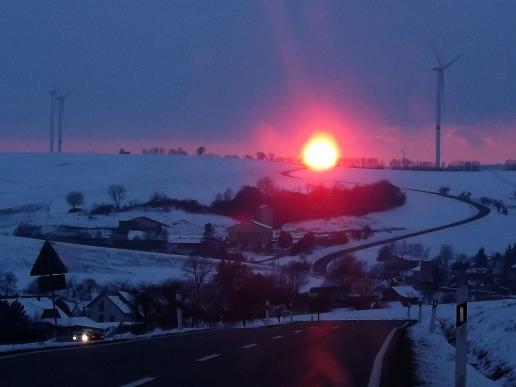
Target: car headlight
84	337
74	337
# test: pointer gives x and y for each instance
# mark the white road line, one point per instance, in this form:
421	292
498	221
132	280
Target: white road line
298	331
201	359
139	382
277	337
249	346
376	373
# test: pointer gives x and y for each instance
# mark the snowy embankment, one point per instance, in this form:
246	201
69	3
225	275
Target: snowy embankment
52	343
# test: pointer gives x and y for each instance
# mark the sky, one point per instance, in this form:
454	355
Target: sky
260	75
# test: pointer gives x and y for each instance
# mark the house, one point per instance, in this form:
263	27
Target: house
405	294
251	234
142	227
114	307
40	309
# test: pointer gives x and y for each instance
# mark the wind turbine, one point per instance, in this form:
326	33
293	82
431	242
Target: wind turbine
60	116
53	94
439	69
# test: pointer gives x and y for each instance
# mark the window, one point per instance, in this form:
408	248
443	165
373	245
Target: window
101	305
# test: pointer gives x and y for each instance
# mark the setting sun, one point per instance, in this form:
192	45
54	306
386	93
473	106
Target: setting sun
321	152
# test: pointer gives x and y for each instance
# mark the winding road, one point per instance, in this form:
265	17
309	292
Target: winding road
320	266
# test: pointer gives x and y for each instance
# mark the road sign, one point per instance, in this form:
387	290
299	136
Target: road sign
48	262
48	283
462	314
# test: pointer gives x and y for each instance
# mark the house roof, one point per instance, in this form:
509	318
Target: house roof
406	291
255	222
120	299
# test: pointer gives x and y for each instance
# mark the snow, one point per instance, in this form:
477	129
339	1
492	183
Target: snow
406	291
124	308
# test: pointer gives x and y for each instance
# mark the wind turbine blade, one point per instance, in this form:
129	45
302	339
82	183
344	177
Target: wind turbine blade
67	93
451	62
436	56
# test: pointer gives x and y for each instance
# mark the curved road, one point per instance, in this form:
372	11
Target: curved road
320	266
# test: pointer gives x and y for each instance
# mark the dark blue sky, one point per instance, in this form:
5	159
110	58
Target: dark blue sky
217	72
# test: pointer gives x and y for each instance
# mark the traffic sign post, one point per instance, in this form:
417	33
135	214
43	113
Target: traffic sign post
434	315
461	336
179	311
50	271
420	314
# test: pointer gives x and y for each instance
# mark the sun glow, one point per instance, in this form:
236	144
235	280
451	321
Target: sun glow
321	152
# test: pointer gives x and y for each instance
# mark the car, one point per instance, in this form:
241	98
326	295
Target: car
86	335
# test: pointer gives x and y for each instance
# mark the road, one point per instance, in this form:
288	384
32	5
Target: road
321	265
332	353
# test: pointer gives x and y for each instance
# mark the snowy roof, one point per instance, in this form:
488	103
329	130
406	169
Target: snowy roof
260	224
117	300
406	291
34	308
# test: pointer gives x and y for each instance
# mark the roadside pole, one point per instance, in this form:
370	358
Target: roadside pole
267	312
420	314
408	311
179	311
434	315
461	336
291	313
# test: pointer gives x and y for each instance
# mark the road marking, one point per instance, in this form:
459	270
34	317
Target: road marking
277	337
298	331
139	382
249	346
376	373
201	359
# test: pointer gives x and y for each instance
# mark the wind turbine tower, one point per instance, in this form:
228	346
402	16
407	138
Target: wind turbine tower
53	94
439	69
60	117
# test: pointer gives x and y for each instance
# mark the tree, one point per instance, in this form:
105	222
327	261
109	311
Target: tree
228	194
266	186
117	193
196	270
260	156
8	281
444	190
285	240
201	151
209	231
481	258
75	199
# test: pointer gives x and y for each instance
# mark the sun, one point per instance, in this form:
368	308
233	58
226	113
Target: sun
321	152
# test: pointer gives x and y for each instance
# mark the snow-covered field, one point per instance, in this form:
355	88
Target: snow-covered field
493	232
35	185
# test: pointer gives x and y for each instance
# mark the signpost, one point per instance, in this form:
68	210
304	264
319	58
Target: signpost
420	315
179	311
434	313
461	336
50	271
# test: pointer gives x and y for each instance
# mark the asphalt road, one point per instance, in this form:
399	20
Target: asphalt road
333	353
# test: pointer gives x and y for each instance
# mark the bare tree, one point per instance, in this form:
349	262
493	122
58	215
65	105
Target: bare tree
8	281
266	185
201	151
75	199
196	270
117	193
